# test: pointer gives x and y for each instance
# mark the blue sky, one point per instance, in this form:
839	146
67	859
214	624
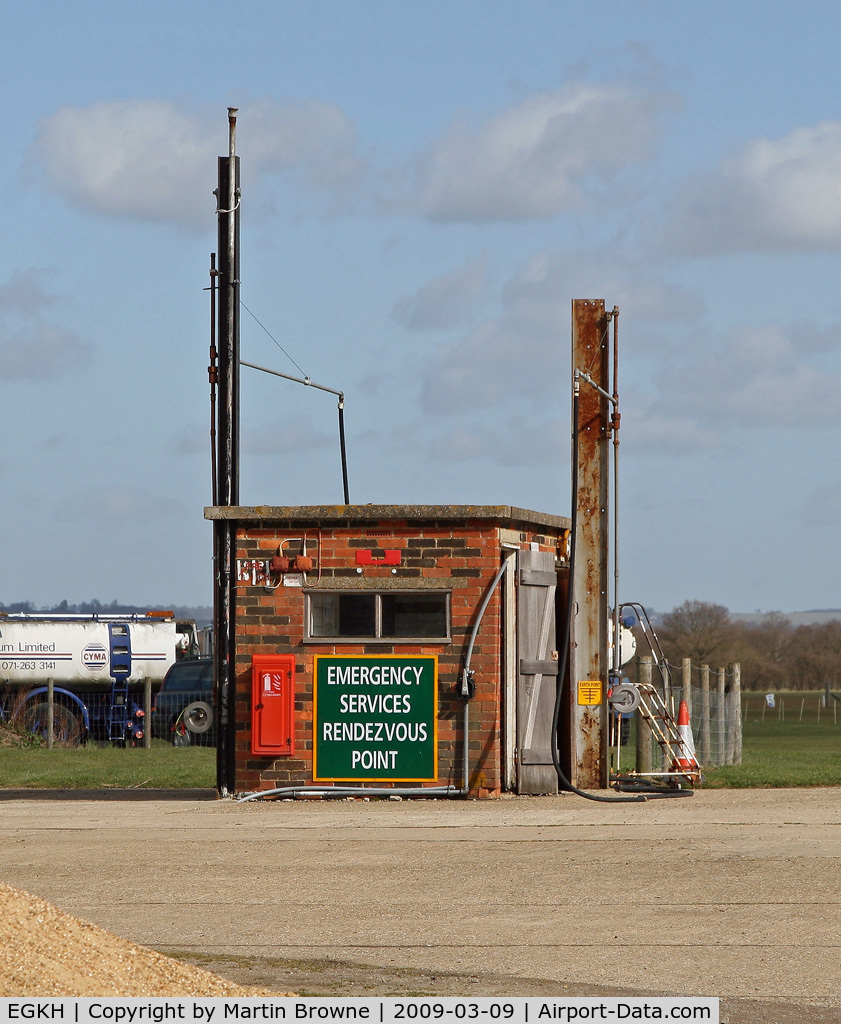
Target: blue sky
426	187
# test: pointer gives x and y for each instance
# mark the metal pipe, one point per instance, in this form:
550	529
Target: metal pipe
343	451
321	387
653	642
479	615
228	281
213	378
614	425
344	791
232	132
586	376
298	380
466	690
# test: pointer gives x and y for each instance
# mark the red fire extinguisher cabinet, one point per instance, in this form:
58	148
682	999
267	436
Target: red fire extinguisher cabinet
272	704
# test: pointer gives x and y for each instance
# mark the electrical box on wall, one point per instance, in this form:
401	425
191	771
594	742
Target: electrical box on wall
272	704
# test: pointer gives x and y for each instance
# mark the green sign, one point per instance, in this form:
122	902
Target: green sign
375	718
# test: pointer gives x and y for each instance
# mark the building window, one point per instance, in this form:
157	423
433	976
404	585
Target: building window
358	615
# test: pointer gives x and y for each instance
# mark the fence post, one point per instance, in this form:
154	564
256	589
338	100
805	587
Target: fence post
736	704
721	753
147	710
643	734
704	735
50	713
686	680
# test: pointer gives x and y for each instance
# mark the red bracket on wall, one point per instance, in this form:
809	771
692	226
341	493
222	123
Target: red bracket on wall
392	557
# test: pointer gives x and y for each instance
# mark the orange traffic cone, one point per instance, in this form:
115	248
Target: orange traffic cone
686	757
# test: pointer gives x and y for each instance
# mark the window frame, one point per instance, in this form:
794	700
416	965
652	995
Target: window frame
310	638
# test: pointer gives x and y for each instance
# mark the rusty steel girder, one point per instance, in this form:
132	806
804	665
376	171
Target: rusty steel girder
590	622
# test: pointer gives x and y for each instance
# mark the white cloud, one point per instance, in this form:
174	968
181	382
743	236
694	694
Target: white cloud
646	429
41	351
151	160
446	301
522	353
25	293
754	378
31	348
682	390
317	139
116	507
500	360
291	436
533	159
515	442
777	194
155	161
551	279
822	507
192	440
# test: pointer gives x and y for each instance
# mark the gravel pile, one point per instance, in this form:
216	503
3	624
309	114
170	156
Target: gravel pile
45	952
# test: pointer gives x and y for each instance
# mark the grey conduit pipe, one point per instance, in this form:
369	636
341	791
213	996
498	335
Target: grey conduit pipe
345	791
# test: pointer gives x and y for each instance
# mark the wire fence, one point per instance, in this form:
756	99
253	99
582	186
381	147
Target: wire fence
812	708
179	717
713	699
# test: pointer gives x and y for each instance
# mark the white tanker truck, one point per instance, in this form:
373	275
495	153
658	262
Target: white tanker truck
96	665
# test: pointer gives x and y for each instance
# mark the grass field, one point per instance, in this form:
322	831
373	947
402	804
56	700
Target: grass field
797	743
776	754
93	767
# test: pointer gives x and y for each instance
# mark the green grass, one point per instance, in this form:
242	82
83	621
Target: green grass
778	754
797	743
93	767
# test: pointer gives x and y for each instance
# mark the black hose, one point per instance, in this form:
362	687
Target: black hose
651	789
343	449
564	649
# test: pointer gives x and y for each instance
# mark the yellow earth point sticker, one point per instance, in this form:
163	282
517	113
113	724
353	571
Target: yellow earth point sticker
589	691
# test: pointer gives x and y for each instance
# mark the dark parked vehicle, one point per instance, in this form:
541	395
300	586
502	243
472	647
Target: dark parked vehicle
184	709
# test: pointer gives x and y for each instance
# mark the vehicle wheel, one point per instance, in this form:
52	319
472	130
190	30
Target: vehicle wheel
198	717
67	729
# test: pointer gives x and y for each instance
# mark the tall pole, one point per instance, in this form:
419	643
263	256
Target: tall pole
227	203
589	588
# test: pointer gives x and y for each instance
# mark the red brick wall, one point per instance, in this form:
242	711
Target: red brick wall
459	556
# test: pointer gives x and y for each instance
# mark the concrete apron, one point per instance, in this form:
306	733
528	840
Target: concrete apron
727	893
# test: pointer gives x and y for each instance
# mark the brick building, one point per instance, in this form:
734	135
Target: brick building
357	621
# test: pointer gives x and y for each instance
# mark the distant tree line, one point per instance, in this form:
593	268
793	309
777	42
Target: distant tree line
773	653
202	614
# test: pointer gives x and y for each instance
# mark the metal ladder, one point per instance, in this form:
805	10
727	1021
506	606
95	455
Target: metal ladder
658	715
659	719
120	660
118	712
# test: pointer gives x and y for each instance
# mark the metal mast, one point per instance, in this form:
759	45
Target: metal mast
227	291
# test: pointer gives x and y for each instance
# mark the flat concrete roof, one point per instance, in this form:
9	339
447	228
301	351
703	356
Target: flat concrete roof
343	513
